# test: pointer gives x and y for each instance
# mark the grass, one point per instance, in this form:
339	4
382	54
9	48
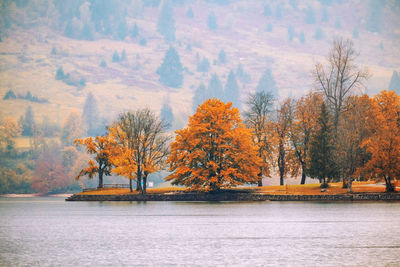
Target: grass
307	189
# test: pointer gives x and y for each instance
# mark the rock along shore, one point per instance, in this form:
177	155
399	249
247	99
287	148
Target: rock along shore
236	197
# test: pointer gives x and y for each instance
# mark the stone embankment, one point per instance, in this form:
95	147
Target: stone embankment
236	197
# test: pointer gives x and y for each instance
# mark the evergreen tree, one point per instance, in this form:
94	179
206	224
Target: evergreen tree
60	75
310	16
269	27
267	84
189	13
291	32
171	69
166	22
200	95
87	33
338	25
122	30
212	21
27	122
374	18
166	114
215	89
222	56
355	33
115	57
135	31
103	64
203	65
267	10
143	41
325	16
319	34
232	93
123	55
278	11
321	149
9	95
90	114
302	38
395	82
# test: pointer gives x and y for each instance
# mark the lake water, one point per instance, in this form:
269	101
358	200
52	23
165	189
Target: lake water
50	231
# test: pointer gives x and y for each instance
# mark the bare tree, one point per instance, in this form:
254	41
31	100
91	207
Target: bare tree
143	133
340	77
282	121
257	118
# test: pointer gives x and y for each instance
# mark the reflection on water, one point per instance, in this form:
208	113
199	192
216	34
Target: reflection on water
49	231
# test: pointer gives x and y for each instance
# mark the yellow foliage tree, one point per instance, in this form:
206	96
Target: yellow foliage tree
214	151
9	129
100	147
384	142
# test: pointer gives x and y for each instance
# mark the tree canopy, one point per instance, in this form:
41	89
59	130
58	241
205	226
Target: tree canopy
214	151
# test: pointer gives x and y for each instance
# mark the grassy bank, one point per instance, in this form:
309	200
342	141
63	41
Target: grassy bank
308	189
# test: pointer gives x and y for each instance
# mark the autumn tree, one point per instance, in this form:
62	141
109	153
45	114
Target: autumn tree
100	147
281	126
214	151
384	142
142	143
306	112
49	174
257	118
340	77
321	149
9	129
352	132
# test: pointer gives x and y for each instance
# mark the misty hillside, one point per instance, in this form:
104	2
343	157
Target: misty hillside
60	51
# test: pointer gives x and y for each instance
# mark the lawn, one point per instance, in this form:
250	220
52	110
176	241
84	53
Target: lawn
307	189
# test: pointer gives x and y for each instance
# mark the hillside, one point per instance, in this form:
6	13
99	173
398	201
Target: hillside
28	64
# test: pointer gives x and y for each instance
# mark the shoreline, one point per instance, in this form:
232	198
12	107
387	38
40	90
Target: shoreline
236	197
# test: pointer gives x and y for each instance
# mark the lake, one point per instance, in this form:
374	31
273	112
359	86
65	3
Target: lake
50	231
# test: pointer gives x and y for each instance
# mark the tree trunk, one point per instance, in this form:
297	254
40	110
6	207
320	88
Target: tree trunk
281	178
130	185
139	180
145	182
350	185
100	180
345	182
303	174
260	178
389	187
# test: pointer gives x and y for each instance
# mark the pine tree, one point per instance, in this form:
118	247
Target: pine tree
90	114
302	38
212	22
123	55
166	114
232	93
60	75
122	30
267	84
203	65
28	122
374	18
321	149
166	22
115	57
267	10
291	32
222	56
215	89
135	31
319	34
171	69
325	16
310	16
9	95
200	95
395	83
189	13
87	33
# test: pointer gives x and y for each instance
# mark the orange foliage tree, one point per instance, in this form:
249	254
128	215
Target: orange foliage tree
302	126
384	142
100	147
141	146
214	151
